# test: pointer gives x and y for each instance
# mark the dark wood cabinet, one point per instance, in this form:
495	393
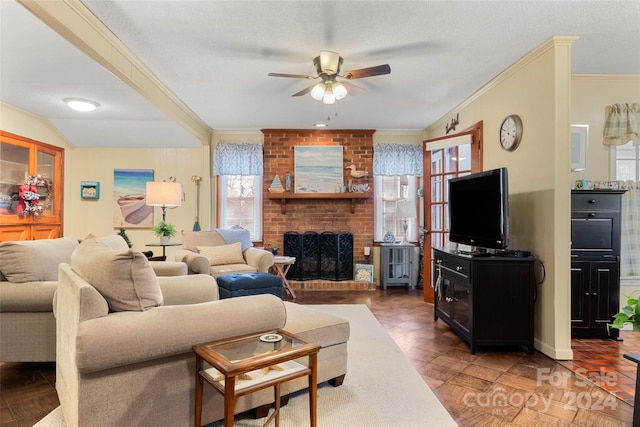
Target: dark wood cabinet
595	261
486	301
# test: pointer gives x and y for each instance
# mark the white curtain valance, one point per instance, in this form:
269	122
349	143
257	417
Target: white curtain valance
621	124
232	158
397	159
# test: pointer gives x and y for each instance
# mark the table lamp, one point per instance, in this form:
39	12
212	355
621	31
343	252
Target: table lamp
405	209
164	194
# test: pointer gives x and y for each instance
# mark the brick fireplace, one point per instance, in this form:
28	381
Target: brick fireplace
324	214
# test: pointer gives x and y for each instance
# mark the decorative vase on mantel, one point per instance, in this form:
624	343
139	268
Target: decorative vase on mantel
165	240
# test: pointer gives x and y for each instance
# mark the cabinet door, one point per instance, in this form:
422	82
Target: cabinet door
443	297
580	293
20	158
604	292
461	305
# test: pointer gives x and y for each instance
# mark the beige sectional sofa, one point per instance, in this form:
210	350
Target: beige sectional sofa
222	251
125	338
28	281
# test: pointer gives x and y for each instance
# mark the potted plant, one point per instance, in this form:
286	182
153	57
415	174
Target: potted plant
123	233
630	314
165	231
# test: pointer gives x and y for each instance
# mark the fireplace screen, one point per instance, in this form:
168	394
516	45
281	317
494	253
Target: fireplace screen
320	256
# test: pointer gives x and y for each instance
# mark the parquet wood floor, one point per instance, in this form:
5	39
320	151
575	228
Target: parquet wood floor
494	387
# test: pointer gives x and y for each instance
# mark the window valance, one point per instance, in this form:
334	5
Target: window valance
397	159
622	124
232	158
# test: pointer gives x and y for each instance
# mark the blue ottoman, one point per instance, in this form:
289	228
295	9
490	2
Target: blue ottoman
242	284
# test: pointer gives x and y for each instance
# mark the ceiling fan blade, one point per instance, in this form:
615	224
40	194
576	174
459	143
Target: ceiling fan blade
304	91
294	76
352	89
368	72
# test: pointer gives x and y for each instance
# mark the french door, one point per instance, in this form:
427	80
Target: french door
444	158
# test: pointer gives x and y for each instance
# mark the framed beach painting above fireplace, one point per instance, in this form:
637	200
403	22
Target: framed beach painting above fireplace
318	169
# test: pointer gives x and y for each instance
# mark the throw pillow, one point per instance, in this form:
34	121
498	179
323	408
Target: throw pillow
223	254
124	277
35	260
192	239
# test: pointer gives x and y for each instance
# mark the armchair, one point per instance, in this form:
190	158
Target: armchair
222	251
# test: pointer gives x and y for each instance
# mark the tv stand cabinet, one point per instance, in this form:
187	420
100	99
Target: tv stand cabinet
487	300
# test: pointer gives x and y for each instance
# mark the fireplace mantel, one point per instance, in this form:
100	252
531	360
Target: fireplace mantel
283	197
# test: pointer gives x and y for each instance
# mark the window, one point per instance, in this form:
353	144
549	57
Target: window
625	162
239	169
388	191
240	203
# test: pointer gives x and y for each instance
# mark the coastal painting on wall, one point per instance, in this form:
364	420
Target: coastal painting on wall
318	169
130	209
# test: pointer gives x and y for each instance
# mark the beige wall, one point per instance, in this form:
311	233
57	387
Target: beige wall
83	216
537	88
590	95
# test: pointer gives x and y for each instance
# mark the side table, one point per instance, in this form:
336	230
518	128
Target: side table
281	265
243	365
164	246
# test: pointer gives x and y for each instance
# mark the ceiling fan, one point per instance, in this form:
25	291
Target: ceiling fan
329	90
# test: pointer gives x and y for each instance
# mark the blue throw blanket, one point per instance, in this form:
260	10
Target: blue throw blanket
234	235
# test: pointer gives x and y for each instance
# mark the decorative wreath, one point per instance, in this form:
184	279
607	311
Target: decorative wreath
29	203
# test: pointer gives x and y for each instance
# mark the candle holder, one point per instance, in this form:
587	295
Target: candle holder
366	259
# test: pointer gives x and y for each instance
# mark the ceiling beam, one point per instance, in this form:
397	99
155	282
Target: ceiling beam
75	22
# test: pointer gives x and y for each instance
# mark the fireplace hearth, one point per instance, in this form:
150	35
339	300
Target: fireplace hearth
325	255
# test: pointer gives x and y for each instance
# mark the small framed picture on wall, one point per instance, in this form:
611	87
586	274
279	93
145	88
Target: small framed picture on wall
90	189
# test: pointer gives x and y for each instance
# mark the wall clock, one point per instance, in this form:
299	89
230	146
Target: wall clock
510	132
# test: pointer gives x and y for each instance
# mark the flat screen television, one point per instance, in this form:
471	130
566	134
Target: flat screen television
479	210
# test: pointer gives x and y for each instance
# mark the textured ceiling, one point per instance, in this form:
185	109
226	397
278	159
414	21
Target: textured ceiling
214	57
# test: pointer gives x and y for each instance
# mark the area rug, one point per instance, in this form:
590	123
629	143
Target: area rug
381	389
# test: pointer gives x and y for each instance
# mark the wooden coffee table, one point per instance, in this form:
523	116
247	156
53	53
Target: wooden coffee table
238	366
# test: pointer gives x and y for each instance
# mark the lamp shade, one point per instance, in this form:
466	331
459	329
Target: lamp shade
168	194
405	209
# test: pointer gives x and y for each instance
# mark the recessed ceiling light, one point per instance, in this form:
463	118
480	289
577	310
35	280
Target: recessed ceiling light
320	125
80	104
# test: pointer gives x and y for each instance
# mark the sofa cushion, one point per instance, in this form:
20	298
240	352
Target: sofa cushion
224	254
315	325
35	260
124	278
27	296
191	239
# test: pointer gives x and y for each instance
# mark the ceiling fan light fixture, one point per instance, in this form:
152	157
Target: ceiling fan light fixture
339	91
329	61
329	98
318	91
79	104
